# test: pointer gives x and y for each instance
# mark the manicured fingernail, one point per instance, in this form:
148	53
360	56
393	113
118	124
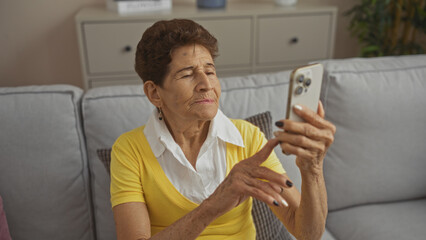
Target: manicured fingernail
279	124
275	203
298	107
290	184
284	202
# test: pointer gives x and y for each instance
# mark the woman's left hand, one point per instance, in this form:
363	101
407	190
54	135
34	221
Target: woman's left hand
308	140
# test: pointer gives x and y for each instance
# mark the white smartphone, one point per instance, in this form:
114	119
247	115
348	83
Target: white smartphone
304	89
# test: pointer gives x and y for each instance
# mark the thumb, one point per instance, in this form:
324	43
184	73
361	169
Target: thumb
264	153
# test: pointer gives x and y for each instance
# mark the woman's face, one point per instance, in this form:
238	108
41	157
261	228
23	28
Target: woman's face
191	89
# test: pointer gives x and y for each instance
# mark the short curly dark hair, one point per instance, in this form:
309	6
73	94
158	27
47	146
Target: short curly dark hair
153	53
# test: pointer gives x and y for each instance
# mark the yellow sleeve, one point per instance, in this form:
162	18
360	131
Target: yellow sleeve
126	185
272	162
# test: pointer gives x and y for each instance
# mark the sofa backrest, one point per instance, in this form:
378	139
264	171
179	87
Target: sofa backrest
110	111
43	165
379	108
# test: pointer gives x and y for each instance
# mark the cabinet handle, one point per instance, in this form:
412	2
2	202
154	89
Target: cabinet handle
294	40
128	48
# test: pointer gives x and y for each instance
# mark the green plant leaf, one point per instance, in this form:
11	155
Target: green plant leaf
373	21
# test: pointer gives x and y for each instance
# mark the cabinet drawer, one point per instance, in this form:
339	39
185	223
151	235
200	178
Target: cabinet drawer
106	43
110	47
234	36
293	38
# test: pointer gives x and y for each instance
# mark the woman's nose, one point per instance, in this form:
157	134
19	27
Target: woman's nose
204	83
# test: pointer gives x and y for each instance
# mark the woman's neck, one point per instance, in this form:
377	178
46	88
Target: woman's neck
190	136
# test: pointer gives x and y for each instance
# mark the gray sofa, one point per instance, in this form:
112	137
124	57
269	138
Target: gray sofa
54	186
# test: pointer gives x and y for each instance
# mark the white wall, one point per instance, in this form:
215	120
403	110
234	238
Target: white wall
39	43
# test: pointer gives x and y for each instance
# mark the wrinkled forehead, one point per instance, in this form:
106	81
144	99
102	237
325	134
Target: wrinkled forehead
190	50
190	55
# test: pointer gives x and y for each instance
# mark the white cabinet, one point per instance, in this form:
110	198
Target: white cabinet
252	38
110	47
284	39
234	40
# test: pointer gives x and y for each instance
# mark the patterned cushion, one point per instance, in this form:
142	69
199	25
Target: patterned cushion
263	121
268	226
104	155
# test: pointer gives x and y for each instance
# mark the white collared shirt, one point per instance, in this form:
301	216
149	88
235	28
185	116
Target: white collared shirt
195	184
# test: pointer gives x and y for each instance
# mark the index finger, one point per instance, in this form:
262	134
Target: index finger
312	117
264	153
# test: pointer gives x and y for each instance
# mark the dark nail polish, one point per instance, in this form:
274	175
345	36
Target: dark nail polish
275	203
279	124
290	184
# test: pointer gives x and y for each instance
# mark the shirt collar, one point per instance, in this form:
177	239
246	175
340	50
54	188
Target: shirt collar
158	135
153	131
224	129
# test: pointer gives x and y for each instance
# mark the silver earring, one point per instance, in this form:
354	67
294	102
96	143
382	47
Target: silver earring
160	115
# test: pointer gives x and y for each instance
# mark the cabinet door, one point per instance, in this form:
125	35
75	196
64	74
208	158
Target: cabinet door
110	47
284	39
234	40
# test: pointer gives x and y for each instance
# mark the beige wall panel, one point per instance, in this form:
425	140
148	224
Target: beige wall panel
39	42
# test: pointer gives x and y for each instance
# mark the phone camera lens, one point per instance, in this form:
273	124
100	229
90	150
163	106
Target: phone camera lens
299	90
300	78
308	82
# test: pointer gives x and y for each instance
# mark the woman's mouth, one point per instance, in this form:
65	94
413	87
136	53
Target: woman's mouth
205	101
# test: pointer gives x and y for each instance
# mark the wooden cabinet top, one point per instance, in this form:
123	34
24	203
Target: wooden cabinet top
190	10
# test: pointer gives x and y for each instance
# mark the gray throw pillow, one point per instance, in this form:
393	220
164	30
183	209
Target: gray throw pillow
268	226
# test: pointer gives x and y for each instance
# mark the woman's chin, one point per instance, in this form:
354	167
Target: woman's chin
206	113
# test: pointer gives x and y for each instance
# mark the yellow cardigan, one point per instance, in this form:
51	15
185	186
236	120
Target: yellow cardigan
136	176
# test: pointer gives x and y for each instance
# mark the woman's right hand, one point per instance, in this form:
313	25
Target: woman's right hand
244	181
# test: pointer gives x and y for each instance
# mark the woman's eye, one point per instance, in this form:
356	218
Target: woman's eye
186	76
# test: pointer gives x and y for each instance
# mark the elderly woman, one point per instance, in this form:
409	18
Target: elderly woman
191	172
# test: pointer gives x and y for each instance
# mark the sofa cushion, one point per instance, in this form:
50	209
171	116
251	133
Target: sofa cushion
108	112
43	165
378	107
399	220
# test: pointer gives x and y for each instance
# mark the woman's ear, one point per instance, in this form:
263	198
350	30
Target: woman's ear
151	91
